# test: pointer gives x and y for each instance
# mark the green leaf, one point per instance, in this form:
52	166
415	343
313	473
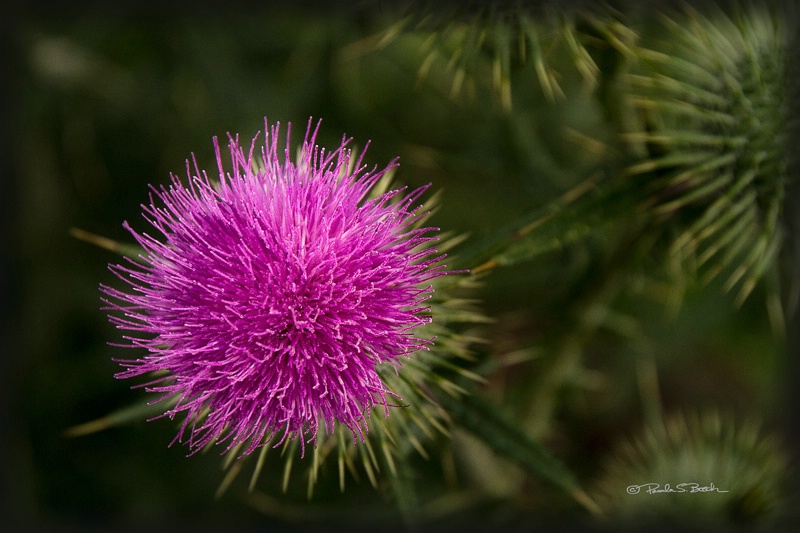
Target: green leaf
495	428
572	217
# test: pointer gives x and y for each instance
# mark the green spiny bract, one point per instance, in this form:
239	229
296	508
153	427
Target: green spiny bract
695	469
709	89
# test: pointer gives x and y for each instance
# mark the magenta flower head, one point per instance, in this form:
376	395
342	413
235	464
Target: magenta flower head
270	297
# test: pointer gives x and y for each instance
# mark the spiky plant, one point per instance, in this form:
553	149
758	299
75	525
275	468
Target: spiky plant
709	87
479	46
277	311
696	469
695	177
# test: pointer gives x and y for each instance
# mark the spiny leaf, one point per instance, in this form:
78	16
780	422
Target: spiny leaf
477	415
576	215
231	475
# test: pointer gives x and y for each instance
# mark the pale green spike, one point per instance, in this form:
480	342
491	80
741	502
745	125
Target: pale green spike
315	464
758	259
687	109
458	81
348	455
497	73
694	193
386	431
448	242
738	246
519	356
392	32
732	232
230	455
618	41
678	87
722	204
382	185
135	412
262	455
547	80
432	202
438	425
451	64
622	324
228	479
748	244
689	138
388	455
365	460
655	56
449	387
777	317
312	475
417	445
420	424
463	371
712	34
340	457
743	205
425	66
668	161
580	56
701	169
132	251
371	453
287	466
502	81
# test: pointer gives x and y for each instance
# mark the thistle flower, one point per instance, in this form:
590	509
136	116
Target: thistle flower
476	46
275	294
712	93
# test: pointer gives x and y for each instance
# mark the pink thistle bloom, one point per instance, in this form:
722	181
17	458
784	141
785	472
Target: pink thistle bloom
274	294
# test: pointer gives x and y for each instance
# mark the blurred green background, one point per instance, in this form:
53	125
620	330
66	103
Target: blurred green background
106	100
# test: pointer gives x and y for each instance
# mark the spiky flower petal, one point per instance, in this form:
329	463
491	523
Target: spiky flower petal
275	293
